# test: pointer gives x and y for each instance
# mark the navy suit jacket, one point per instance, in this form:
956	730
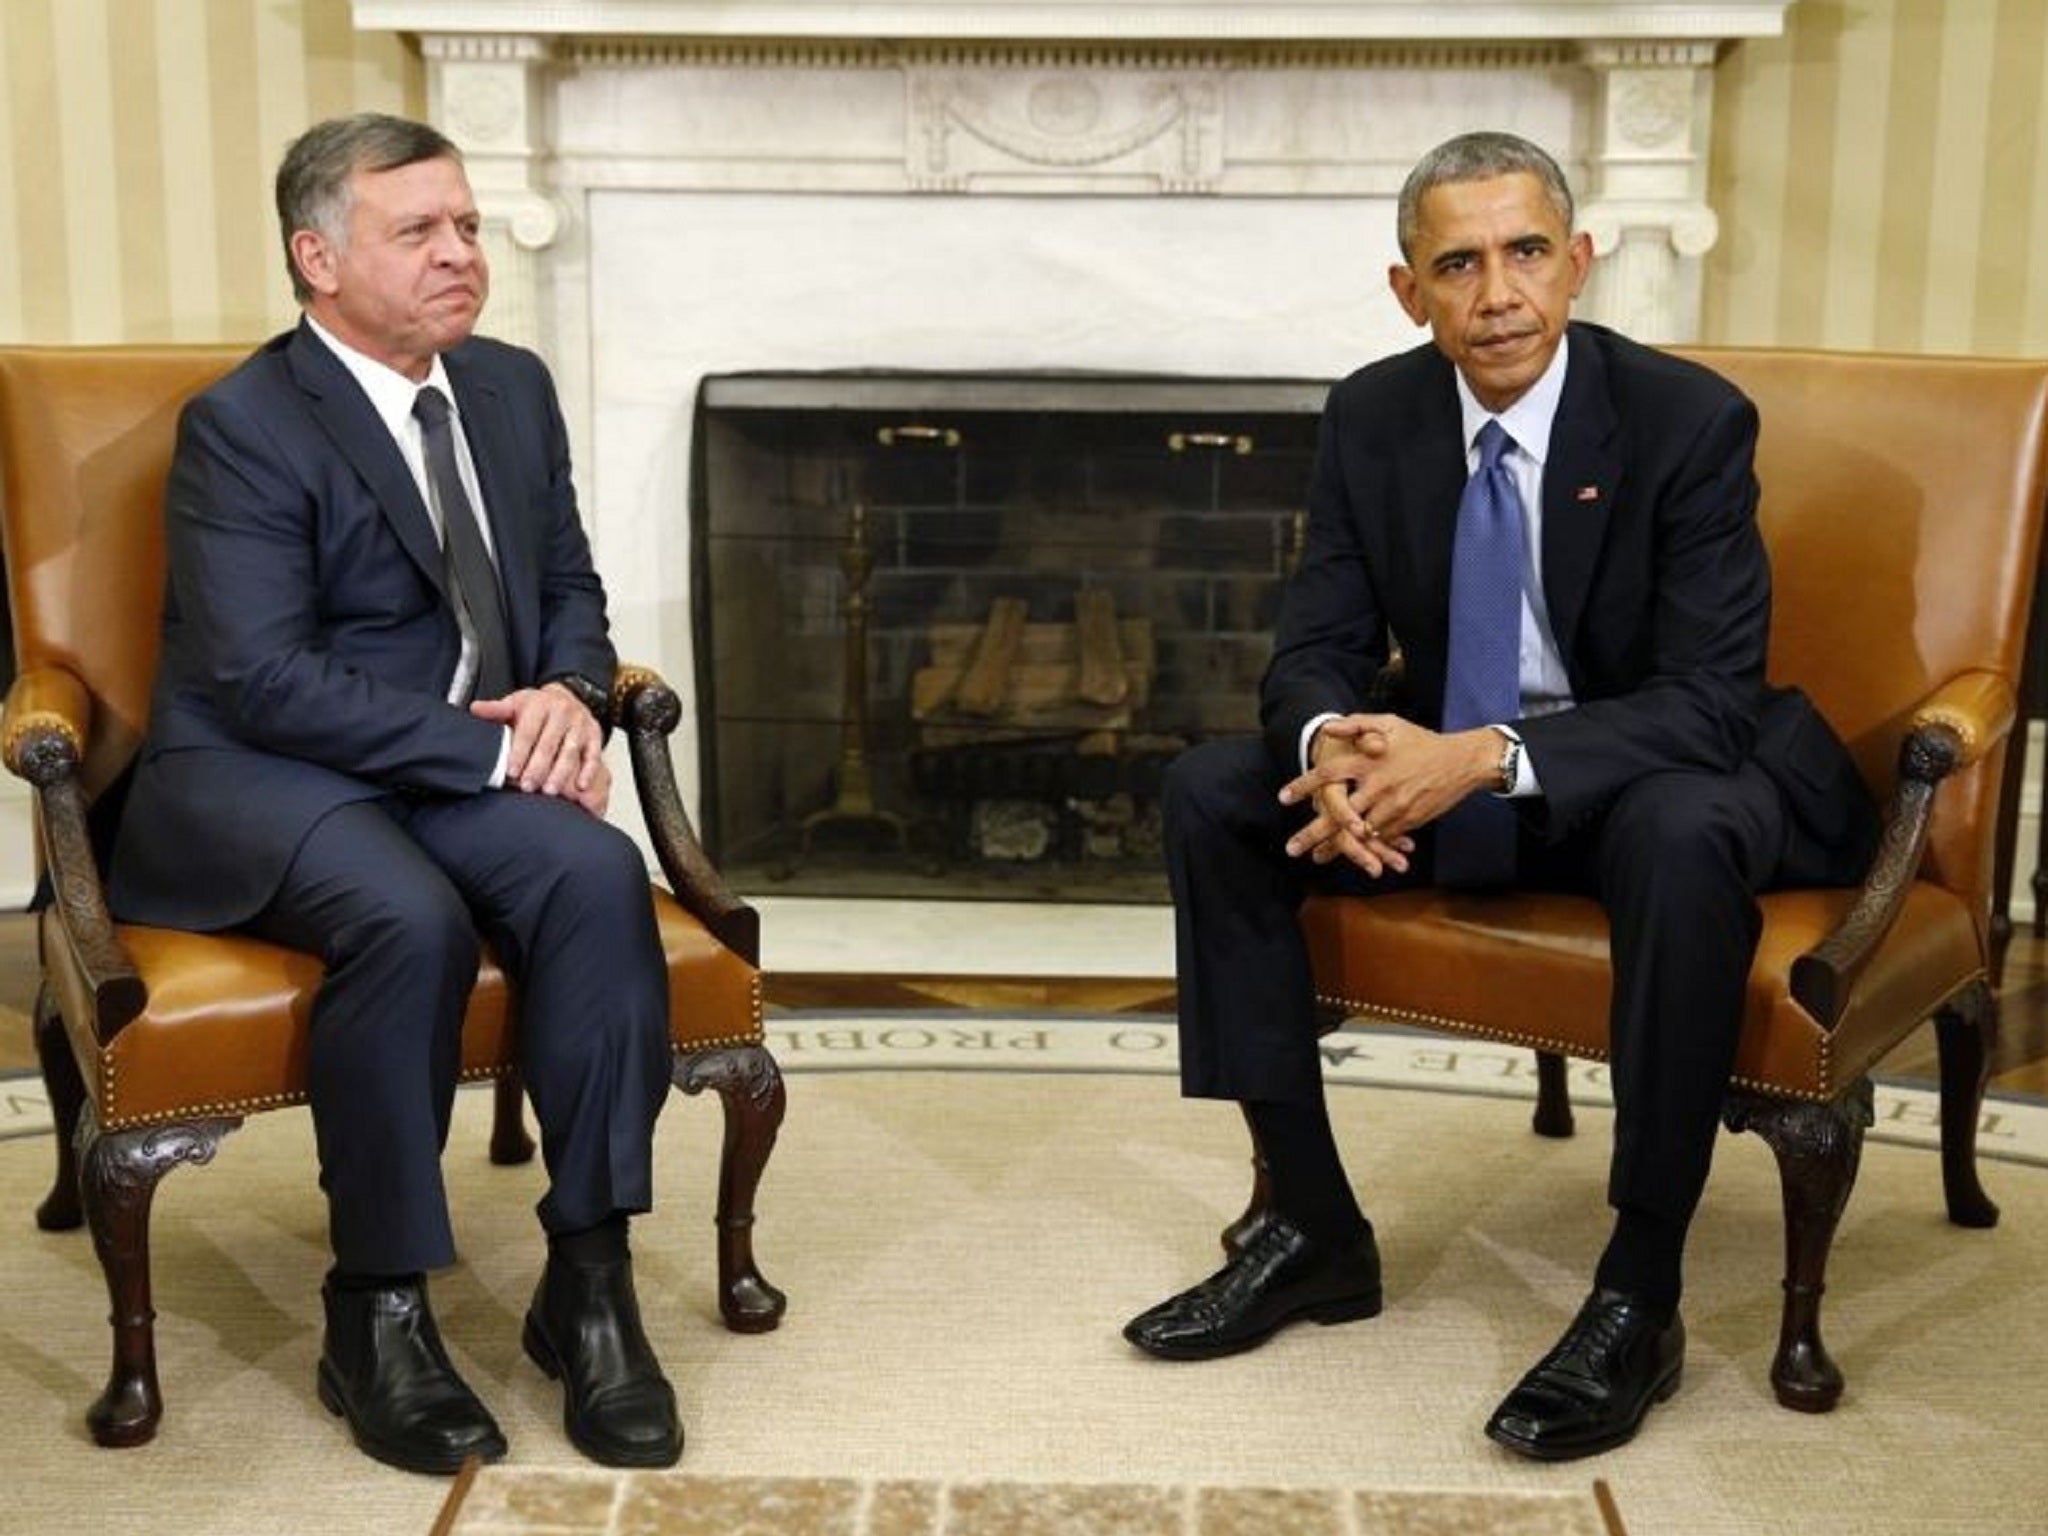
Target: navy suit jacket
307	642
1653	570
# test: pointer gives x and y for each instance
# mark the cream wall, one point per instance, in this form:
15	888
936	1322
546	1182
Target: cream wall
137	143
1881	172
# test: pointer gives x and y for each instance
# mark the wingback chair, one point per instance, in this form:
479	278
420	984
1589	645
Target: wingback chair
1902	502
155	1044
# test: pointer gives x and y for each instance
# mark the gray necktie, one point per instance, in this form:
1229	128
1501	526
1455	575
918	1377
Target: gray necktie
473	587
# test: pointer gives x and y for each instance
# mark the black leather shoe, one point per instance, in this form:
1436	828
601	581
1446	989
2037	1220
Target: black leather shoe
584	1328
1279	1276
1590	1393
384	1370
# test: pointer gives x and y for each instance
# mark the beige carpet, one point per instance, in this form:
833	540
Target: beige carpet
960	1249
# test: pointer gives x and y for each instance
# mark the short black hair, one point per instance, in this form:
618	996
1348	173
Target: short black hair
1477	157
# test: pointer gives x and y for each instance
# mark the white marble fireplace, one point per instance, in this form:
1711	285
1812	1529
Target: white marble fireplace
676	188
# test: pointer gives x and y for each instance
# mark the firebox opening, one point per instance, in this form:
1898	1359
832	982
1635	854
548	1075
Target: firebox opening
957	625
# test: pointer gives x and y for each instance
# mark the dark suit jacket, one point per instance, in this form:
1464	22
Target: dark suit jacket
307	644
1653	570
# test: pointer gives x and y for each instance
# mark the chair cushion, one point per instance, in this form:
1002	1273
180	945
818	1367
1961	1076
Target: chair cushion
1532	969
227	1025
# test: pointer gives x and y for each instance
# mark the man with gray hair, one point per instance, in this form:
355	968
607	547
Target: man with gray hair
372	738
1560	527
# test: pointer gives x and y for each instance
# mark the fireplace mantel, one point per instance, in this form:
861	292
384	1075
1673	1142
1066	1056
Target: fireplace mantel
679	188
1088	20
552	99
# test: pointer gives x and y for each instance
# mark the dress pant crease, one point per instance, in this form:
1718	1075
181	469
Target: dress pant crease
393	895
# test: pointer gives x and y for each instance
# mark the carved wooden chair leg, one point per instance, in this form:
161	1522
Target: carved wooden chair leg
60	1211
750	1084
121	1171
510	1143
1965	1032
1258	1203
1818	1147
1553	1097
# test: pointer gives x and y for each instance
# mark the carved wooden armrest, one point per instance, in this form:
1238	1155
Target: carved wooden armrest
1953	728
647	710
48	714
1978	708
42	734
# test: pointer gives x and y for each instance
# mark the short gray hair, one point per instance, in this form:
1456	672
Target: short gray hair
313	179
1477	157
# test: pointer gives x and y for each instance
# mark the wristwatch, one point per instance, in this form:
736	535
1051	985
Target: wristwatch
1510	763
588	694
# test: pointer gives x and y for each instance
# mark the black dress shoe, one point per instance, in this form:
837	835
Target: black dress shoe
584	1328
384	1370
1279	1276
1590	1393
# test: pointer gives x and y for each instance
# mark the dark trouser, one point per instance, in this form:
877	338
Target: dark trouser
1676	860
393	895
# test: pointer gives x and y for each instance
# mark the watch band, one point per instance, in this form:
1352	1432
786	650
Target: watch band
1510	765
588	694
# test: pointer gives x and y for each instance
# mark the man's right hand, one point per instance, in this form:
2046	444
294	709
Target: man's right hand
557	745
1340	756
1374	779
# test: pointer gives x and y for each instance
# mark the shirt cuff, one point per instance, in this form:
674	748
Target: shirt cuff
1526	783
504	757
1308	734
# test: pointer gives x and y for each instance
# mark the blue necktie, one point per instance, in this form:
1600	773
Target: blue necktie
1475	841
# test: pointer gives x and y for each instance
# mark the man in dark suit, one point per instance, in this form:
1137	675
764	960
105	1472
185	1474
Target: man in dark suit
1558	529
372	738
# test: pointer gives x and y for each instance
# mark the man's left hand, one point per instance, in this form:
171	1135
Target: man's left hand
557	746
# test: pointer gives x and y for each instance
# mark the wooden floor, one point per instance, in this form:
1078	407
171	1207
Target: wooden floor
2020	1064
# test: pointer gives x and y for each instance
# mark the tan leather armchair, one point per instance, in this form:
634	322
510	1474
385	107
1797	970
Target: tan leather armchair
155	1044
1902	502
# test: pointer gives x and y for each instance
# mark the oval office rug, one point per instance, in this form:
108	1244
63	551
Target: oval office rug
960	1247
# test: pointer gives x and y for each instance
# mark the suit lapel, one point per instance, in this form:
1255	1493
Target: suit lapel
1432	471
345	414
1581	479
487	424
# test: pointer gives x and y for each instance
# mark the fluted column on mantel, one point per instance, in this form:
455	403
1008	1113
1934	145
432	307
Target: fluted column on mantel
489	93
1646	208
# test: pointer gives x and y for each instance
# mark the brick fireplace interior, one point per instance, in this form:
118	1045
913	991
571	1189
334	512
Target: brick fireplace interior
958	624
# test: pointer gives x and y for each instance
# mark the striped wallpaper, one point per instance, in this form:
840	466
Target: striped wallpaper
137	143
1881	171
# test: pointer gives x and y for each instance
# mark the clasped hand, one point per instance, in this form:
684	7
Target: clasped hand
557	746
1374	779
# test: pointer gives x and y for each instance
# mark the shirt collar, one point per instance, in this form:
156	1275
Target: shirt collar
391	392
1527	421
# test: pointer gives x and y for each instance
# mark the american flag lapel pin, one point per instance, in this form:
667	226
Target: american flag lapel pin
1588	493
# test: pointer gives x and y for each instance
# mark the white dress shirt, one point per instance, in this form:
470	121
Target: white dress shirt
391	397
1545	685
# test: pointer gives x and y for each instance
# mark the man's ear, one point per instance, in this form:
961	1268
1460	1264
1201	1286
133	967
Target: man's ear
1407	292
1580	251
313	255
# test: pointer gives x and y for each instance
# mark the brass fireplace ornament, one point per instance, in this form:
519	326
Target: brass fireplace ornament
1239	443
854	795
918	432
